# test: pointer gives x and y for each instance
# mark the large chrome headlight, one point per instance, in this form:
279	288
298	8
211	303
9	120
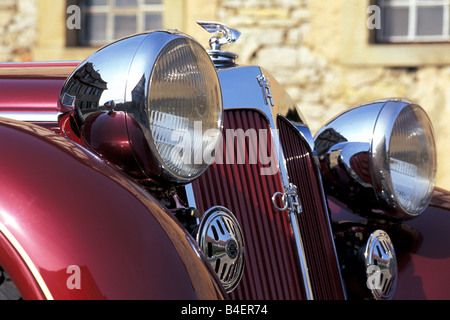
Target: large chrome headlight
152	99
380	157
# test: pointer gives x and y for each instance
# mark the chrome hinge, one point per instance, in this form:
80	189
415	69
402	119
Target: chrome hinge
264	82
289	200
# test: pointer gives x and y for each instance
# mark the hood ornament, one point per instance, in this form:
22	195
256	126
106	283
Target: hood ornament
223	35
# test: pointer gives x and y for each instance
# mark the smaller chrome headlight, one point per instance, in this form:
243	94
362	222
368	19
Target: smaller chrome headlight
380	157
404	158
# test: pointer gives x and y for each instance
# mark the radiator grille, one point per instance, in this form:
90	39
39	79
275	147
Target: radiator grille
314	224
271	270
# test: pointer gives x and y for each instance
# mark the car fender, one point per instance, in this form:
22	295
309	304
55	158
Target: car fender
421	244
423	252
73	227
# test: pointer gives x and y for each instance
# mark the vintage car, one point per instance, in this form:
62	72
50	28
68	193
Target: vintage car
156	169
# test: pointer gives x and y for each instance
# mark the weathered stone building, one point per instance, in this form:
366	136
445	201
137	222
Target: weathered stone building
18	29
321	50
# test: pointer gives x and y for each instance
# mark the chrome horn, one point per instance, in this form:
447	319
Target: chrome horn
220	237
381	266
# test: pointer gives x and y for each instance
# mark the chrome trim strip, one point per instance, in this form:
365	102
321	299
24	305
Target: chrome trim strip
190	197
26	258
32	116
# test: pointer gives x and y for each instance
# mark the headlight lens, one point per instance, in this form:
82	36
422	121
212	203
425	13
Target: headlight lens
185	108
412	159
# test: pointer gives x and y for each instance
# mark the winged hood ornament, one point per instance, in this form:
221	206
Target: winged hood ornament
222	35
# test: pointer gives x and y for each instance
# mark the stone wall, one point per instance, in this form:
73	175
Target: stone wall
18	29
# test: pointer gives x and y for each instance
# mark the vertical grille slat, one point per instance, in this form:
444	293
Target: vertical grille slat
271	270
257	223
314	222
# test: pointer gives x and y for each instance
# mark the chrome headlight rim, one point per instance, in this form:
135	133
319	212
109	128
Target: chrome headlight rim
383	182
156	42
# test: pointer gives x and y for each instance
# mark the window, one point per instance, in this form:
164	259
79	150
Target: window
407	21
108	20
57	42
356	45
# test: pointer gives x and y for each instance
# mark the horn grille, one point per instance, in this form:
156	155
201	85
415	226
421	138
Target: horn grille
381	266
220	237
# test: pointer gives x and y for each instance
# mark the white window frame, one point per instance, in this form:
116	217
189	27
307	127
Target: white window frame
139	10
412	35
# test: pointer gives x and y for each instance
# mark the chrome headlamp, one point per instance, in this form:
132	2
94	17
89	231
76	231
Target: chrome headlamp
380	157
154	97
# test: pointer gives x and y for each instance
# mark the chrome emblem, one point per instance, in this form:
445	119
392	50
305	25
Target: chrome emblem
289	199
264	83
232	249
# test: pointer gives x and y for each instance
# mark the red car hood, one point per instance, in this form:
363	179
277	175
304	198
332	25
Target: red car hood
32	87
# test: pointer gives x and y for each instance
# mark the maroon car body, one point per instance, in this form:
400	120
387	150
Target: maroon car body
62	205
60	220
